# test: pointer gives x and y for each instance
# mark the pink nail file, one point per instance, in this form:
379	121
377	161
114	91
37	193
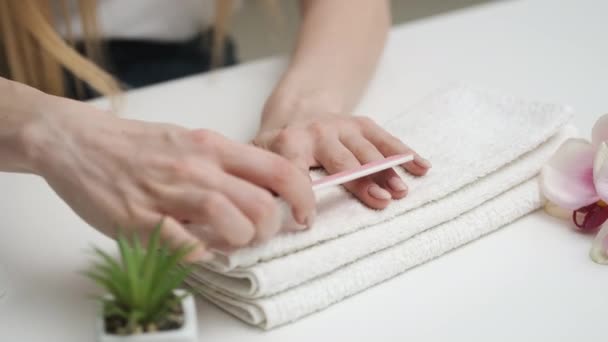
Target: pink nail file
361	171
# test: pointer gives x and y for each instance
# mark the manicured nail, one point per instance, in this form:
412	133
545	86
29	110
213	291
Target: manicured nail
310	220
397	184
299	219
377	192
422	162
295	225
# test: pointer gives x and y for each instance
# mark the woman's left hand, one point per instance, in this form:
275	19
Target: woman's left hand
339	142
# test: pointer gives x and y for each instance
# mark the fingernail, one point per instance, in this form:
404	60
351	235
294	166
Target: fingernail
299	219
310	220
297	226
293	224
302	224
397	184
377	192
422	162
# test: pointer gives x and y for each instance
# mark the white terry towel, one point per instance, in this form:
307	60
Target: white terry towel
486	149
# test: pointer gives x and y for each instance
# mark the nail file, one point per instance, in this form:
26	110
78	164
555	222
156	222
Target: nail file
289	223
361	171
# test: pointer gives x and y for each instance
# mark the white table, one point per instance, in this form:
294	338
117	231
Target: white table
531	280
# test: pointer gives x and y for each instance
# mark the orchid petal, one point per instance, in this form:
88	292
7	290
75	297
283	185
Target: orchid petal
600	171
567	178
600	131
599	249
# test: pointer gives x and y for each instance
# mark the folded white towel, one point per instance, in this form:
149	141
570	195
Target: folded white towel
481	144
273	276
319	293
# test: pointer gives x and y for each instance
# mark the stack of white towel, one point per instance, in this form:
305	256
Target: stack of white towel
486	150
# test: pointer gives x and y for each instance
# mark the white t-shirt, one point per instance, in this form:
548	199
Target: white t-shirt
165	20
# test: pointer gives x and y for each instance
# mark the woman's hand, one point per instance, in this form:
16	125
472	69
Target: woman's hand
340	142
124	173
306	118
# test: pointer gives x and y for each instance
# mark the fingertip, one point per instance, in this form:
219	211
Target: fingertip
298	194
378	193
423	163
306	215
391	182
199	253
398	194
304	218
415	169
370	194
374	203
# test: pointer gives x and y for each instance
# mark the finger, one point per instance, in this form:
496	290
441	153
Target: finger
366	152
301	165
177	236
257	204
227	220
297	157
208	208
294	147
273	172
390	145
172	233
212	239
335	157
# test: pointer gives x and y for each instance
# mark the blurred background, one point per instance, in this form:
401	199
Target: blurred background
260	33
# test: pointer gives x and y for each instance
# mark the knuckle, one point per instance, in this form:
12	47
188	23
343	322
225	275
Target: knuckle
338	161
392	143
204	137
364	121
155	161
318	129
214	204
131	211
183	169
284	137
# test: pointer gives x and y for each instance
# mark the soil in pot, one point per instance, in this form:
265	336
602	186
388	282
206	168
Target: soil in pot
172	320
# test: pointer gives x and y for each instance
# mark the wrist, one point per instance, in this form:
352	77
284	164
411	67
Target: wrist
295	99
35	134
18	114
47	133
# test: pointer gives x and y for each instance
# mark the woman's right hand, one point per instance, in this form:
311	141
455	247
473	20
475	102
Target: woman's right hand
131	174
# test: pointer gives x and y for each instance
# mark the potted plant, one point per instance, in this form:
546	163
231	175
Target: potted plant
142	300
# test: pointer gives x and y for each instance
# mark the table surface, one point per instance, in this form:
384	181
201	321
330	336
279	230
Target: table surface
532	279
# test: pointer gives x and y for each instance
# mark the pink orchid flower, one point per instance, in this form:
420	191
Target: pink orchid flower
576	179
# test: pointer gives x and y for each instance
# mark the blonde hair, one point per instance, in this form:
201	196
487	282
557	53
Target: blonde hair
34	53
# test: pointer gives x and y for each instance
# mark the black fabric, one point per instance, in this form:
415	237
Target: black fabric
137	63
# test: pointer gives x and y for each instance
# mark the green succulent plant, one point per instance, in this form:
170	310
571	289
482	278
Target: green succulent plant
141	285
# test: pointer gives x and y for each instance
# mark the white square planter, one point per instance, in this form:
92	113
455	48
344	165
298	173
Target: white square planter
187	333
